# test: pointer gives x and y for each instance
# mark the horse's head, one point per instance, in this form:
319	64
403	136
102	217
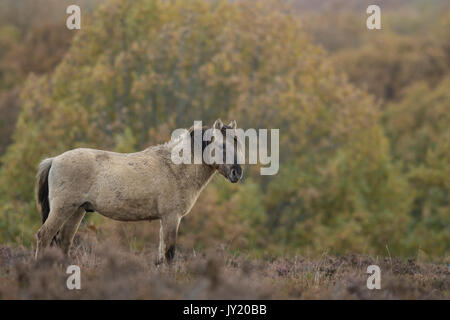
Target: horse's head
225	142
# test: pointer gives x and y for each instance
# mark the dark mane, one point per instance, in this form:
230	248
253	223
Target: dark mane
192	129
191	133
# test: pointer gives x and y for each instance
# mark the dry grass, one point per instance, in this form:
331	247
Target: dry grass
112	271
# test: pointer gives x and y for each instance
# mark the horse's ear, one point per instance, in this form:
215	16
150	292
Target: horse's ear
218	124
233	124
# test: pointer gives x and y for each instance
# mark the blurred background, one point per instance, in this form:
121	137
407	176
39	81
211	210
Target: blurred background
364	115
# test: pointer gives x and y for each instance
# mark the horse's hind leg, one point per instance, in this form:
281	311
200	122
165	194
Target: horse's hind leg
59	213
69	229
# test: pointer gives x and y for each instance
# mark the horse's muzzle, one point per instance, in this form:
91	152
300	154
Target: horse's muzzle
235	174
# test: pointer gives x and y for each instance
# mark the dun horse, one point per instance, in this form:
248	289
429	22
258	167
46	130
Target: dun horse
145	185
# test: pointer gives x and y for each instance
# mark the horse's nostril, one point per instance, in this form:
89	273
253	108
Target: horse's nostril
233	172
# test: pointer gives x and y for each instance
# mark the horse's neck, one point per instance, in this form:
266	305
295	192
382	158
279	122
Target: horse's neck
199	175
196	176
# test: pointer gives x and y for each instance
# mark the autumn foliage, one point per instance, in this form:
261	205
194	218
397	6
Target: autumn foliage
364	125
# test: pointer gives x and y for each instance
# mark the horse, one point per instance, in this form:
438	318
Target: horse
140	186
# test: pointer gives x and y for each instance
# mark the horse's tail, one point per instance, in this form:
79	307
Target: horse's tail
42	188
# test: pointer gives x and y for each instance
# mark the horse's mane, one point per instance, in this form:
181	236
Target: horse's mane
188	133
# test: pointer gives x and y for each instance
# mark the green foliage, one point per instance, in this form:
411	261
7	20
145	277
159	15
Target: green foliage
33	40
16	220
355	201
419	128
125	142
418	122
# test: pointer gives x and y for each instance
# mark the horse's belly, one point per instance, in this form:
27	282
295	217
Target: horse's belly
119	216
128	215
129	209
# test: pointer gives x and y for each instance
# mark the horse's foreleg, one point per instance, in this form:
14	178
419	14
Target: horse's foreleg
59	213
168	238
